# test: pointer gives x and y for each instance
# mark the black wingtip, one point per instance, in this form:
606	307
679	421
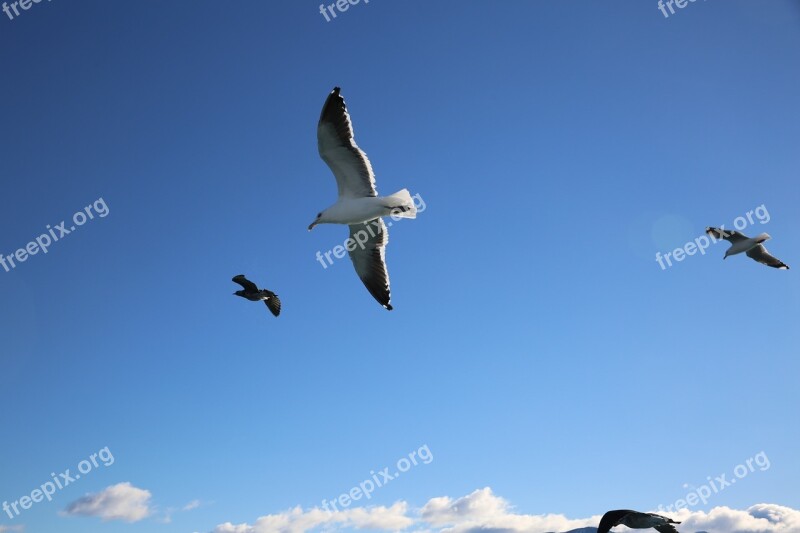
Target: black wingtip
388	307
331	106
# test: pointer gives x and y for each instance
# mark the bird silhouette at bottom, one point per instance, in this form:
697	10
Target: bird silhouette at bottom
636	520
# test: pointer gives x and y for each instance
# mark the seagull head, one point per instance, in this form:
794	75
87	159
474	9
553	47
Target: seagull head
318	220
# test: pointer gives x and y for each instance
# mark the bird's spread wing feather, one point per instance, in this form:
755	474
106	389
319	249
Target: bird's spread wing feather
611	519
666	528
273	303
337	147
248	285
760	254
369	258
727	234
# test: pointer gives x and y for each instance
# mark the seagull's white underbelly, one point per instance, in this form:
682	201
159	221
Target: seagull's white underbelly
357	210
742	246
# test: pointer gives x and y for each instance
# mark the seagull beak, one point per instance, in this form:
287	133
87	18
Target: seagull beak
312	225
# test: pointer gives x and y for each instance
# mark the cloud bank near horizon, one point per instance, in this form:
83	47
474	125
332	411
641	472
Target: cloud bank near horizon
484	512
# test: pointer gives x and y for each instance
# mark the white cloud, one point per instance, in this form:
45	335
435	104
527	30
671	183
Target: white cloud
169	511
296	520
484	512
10	529
122	501
194	504
760	518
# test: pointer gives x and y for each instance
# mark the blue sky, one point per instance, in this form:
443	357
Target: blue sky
536	347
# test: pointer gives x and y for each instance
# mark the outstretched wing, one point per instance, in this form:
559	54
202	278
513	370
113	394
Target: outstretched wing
273	303
337	147
666	528
729	235
611	519
368	243
760	254
248	285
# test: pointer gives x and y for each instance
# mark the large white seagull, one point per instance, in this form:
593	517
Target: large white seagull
358	205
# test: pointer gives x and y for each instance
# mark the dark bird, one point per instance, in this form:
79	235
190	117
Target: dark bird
752	246
254	294
636	520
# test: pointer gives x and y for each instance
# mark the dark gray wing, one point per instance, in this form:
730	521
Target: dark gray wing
727	234
666	528
611	519
248	285
760	254
273	303
367	249
337	147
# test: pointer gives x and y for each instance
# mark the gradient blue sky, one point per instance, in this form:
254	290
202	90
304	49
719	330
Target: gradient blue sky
536	346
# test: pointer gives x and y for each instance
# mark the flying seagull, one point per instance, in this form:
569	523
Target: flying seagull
742	243
358	205
636	520
252	293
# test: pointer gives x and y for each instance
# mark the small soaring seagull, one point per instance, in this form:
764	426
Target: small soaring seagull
358	205
254	294
742	243
636	520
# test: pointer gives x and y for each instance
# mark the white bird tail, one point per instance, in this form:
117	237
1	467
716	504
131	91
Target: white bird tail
402	204
763	237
